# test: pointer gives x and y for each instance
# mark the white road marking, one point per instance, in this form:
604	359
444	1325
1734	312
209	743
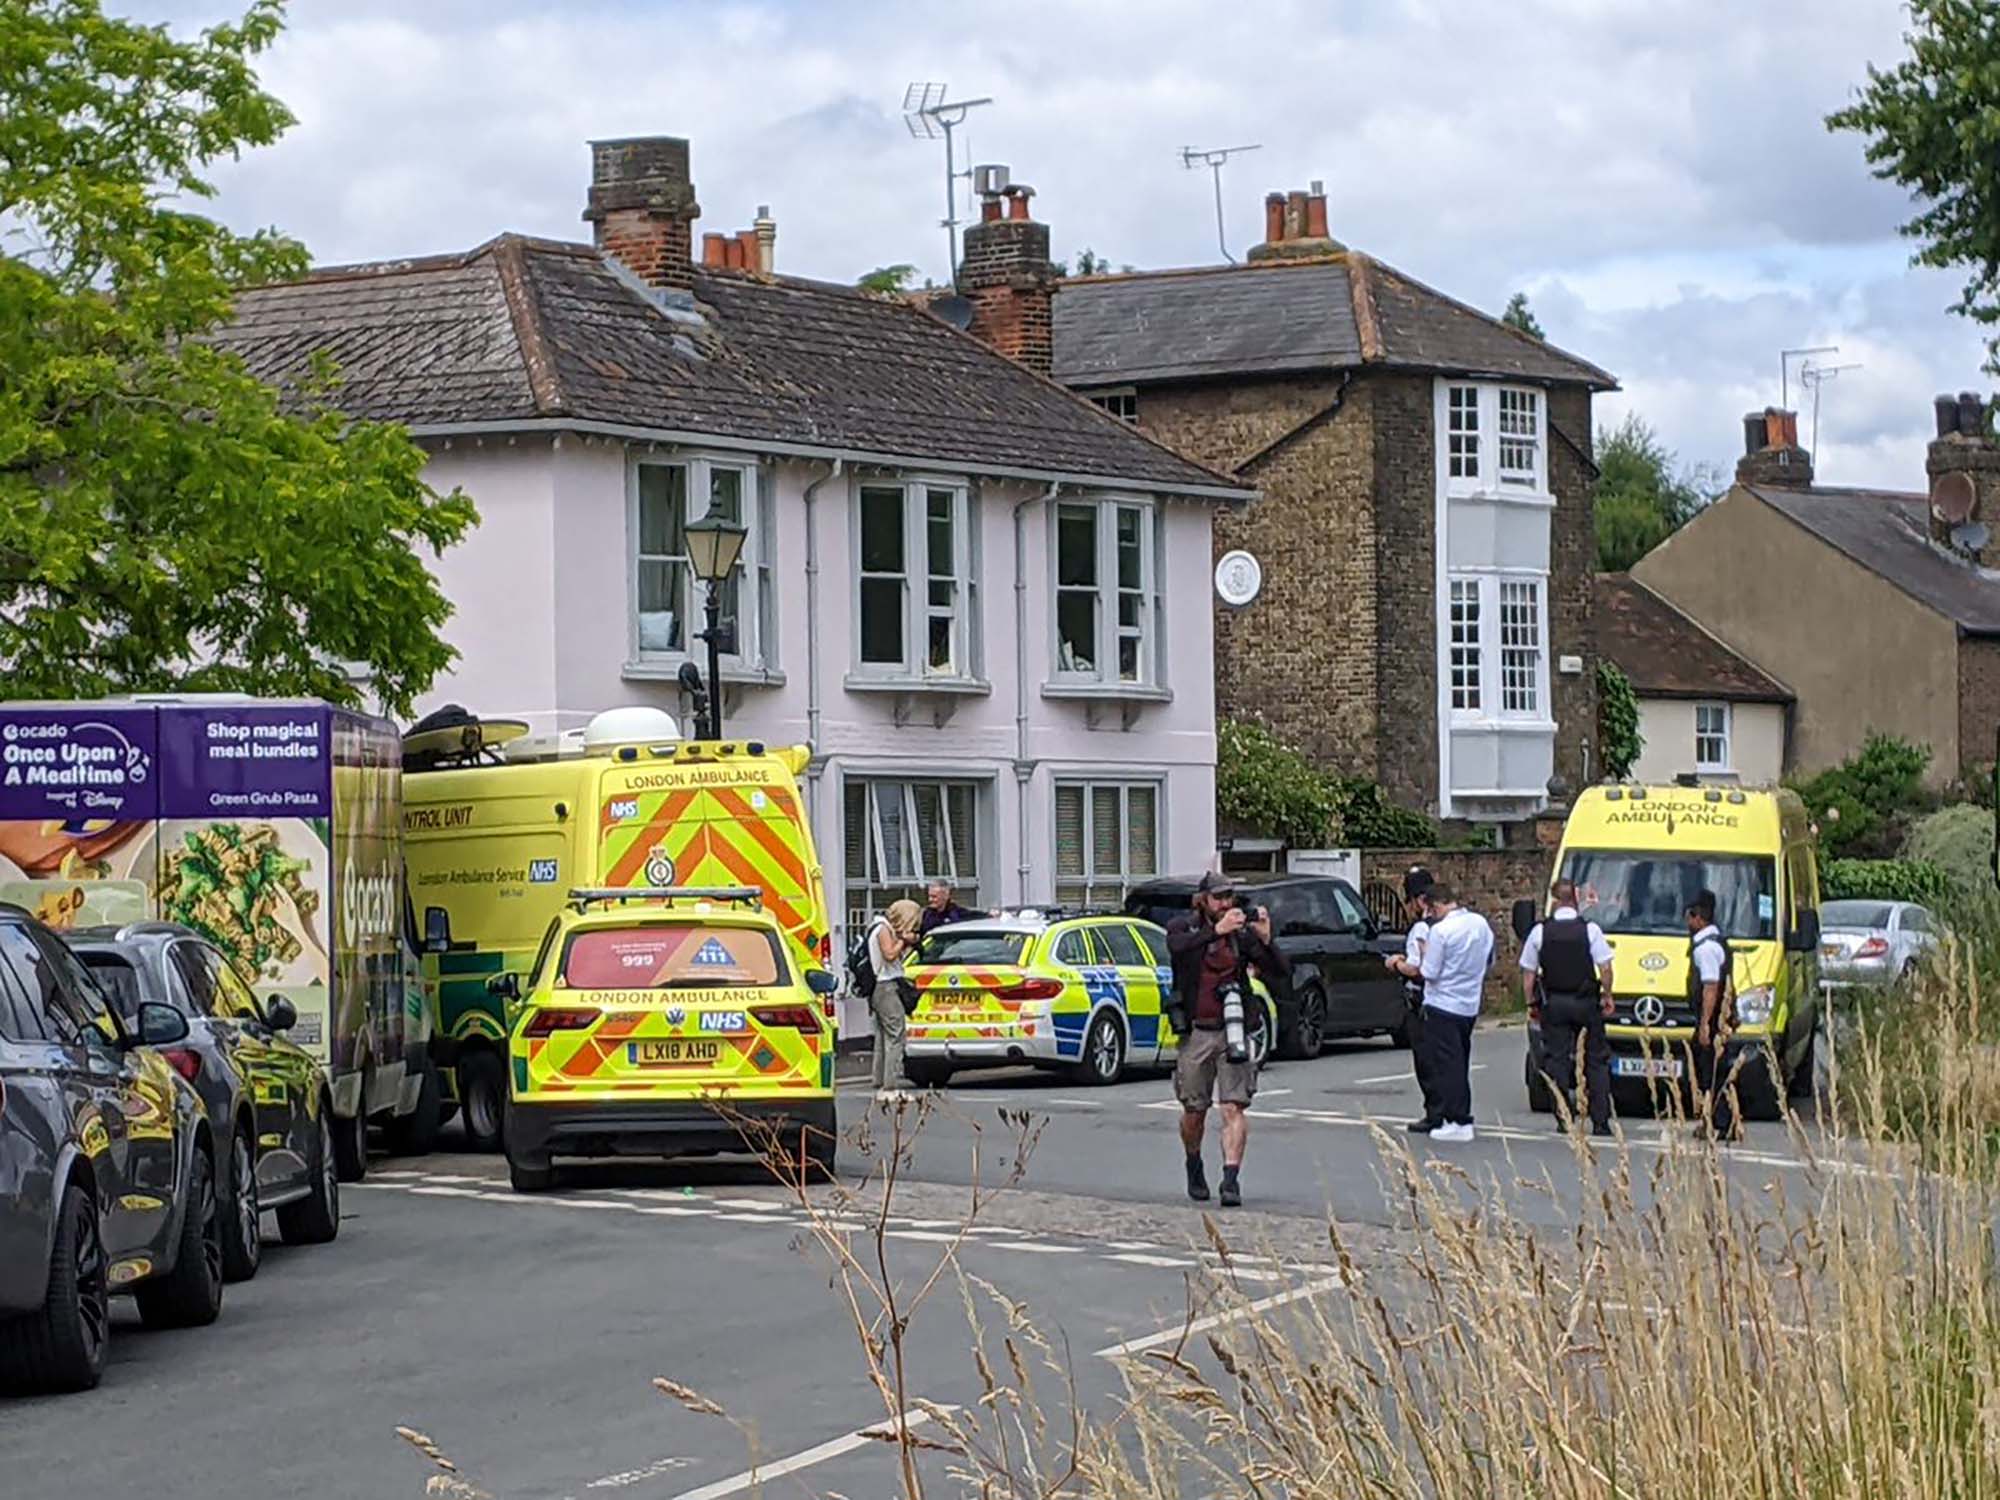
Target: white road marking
762	1205
927	1236
652	1470
759	1476
1136	1258
1035	1247
1075	1103
1386	1078
1215	1320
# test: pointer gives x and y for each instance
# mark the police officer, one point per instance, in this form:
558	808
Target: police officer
1566	980
1409	963
1709	998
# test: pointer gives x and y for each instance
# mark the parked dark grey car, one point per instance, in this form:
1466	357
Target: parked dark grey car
267	1099
1339	985
107	1176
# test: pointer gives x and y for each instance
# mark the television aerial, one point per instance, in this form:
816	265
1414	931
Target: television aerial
928	114
1215	161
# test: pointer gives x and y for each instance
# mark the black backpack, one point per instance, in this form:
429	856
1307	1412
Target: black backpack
861	964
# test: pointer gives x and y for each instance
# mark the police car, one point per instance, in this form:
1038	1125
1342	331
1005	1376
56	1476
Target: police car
664	1022
1082	993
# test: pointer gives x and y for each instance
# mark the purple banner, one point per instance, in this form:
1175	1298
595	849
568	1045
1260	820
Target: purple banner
230	761
76	765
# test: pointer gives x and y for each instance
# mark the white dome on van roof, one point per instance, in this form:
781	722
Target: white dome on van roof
632	725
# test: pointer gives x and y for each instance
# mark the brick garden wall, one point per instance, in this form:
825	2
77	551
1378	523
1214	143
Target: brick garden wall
1489	881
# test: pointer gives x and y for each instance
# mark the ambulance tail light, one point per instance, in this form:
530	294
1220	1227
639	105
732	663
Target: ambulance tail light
1034	988
561	1018
796	1017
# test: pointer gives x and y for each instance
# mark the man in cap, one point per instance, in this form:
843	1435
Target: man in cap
1214	948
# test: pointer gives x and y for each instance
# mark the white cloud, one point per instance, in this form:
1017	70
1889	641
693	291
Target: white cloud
1655	172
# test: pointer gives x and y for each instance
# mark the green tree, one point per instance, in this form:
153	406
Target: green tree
1520	315
1933	126
1642	497
165	518
888	281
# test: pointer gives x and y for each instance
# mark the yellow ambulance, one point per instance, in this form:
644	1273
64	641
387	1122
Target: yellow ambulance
499	827
1638	855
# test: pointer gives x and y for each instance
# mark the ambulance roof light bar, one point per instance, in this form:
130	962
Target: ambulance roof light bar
582	897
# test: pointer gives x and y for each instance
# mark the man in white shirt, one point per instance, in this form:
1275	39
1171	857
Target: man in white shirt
1456	956
1409	963
1566	980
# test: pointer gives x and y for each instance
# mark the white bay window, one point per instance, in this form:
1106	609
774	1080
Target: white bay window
1107	602
1495	440
1497	653
914	602
668	601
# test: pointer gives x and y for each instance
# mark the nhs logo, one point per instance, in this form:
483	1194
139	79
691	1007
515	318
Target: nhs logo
541	872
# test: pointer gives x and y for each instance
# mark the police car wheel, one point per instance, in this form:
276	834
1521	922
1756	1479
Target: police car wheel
1103	1060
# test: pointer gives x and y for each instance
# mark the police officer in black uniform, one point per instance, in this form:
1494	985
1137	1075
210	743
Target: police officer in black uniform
1566	980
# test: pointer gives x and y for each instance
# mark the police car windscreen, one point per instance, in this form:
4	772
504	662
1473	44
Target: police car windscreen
949	946
658	958
1648	894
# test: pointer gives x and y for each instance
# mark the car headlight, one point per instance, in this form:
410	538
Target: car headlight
1753	1006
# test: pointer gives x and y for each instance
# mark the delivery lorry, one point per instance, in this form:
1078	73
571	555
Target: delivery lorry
271	827
499	827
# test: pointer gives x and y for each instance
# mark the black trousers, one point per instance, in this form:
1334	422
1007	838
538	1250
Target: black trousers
1446	1048
1712	1099
1565	1020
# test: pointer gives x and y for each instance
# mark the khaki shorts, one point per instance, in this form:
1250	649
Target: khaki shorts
1204	1073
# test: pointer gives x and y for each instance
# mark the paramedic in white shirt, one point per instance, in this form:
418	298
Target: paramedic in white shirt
1566	980
1416	911
1456	956
1708	981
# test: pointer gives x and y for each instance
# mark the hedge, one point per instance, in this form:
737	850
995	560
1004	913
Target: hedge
1883	880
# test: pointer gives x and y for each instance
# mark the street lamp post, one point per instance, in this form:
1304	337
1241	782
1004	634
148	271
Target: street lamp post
714	543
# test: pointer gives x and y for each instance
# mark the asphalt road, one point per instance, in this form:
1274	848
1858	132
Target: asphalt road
523	1334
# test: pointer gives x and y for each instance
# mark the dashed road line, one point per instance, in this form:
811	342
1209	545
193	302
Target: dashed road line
1182	1330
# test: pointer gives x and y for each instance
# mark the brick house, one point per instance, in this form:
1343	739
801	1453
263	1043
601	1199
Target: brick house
910	499
1425	529
1879	609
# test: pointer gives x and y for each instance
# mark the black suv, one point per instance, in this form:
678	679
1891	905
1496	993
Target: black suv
107	1168
1339	985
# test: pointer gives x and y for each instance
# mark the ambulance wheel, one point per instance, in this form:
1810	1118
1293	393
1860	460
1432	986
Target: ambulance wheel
350	1140
1757	1095
416	1133
1103	1060
822	1152
926	1074
530	1177
482	1095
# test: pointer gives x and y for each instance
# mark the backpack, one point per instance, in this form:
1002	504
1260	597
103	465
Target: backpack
861	964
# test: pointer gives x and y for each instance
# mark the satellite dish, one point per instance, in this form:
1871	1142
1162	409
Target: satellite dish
1952	498
955	310
1239	578
1971	538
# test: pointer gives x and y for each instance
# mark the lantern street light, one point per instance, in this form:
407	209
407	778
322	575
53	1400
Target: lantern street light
714	543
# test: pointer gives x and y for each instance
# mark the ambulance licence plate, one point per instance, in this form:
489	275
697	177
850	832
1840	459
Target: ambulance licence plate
665	1054
1646	1067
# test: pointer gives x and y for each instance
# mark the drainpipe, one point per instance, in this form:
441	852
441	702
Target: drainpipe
1024	769
815	766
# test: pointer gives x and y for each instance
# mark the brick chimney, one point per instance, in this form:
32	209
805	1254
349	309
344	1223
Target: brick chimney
1771	451
1007	278
1963	466
1295	227
642	207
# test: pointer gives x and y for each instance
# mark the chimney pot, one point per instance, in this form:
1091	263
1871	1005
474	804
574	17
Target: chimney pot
1018	194
1772	454
990	208
712	253
1971	414
1753	431
746	242
1316	214
766	230
1946	408
1295	216
1274	218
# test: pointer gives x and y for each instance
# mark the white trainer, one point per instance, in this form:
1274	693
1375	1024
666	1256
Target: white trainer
1450	1132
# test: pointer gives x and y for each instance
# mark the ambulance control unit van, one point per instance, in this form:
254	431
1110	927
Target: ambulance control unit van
1638	855
499	827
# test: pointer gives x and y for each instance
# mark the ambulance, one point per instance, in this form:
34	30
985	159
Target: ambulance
1638	855
500	826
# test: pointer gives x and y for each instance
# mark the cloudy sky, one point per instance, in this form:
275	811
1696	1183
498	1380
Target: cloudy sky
1654	173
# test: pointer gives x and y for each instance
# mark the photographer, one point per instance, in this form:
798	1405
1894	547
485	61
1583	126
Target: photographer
1214	949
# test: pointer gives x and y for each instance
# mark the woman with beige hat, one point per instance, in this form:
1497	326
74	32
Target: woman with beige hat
891	939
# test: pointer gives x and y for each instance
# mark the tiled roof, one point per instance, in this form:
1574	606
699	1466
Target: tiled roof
523	330
1667	655
1888	533
1277	317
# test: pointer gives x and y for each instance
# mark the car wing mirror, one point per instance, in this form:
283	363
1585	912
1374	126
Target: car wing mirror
822	981
160	1025
1524	918
505	986
280	1014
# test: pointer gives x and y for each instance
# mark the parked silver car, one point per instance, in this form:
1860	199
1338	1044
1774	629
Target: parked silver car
1873	942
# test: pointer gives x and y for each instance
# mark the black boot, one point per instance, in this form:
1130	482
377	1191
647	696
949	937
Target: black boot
1197	1180
1232	1195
